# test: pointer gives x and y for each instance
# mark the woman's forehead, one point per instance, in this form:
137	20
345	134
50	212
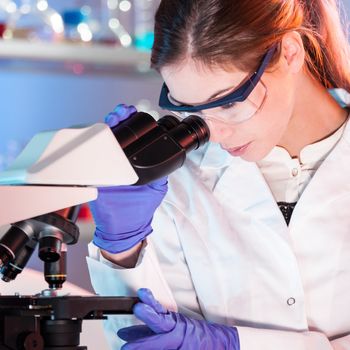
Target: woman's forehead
193	83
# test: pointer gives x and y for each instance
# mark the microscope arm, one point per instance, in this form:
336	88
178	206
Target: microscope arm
18	203
56	169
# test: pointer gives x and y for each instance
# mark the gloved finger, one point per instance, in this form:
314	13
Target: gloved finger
134	333
159	323
146	296
165	341
120	113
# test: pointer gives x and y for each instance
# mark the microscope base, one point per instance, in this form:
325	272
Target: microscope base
53	323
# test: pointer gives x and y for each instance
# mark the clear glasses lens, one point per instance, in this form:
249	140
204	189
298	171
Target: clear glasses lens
236	112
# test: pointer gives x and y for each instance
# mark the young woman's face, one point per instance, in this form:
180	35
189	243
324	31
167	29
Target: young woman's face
191	83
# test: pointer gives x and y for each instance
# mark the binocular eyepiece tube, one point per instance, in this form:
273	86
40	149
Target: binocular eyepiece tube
157	148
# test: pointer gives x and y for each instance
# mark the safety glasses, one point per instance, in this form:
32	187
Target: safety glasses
235	107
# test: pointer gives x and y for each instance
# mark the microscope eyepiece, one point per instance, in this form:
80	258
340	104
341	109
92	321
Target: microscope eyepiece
190	133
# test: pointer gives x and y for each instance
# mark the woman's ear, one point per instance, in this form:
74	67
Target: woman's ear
292	52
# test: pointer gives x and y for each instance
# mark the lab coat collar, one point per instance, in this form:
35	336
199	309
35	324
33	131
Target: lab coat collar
334	170
243	186
239	185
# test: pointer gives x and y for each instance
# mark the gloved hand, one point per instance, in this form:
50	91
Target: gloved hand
171	331
123	214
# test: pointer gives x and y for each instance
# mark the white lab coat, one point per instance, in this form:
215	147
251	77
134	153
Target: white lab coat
222	251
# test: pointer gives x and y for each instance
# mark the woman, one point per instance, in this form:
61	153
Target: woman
249	248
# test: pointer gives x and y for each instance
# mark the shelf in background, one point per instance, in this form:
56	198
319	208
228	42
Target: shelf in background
94	57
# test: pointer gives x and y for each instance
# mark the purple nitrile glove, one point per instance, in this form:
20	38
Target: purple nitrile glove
172	331
123	214
119	114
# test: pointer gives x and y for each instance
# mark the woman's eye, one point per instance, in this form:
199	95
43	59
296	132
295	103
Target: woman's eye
228	105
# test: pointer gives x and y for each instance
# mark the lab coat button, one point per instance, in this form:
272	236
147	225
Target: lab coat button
295	172
291	301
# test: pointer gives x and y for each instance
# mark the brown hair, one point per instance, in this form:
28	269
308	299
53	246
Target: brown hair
220	32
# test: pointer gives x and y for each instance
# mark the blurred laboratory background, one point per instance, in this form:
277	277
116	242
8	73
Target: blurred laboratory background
69	62
65	62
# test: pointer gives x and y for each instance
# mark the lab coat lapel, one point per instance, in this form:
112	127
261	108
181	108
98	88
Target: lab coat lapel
243	188
212	243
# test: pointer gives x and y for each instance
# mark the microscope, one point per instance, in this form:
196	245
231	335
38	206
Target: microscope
40	195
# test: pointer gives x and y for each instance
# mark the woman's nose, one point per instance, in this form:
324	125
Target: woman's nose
219	131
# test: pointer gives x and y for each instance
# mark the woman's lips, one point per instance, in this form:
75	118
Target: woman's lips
238	151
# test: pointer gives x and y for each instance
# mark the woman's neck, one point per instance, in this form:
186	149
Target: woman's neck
316	115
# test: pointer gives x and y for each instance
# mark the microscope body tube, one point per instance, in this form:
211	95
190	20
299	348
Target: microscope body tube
157	148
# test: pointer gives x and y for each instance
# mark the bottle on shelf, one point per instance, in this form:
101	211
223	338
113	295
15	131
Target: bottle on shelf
6	8
144	24
76	25
35	21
